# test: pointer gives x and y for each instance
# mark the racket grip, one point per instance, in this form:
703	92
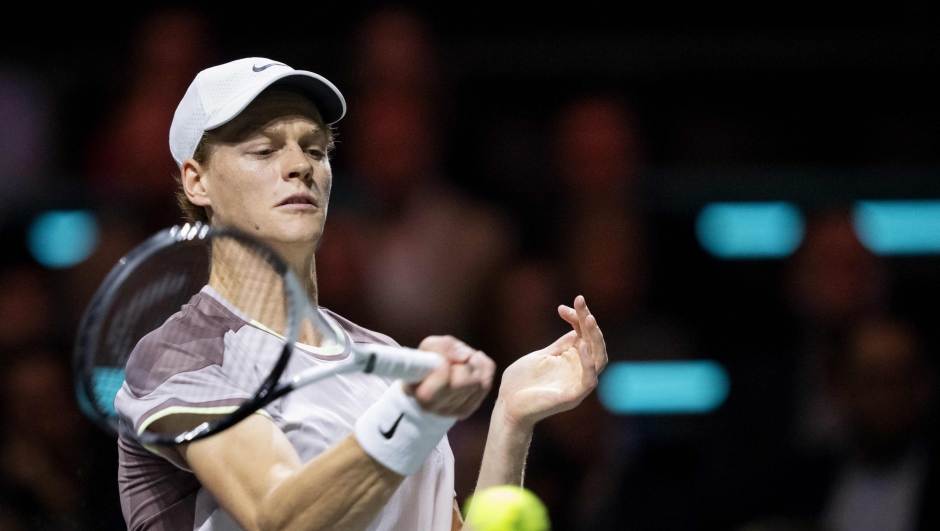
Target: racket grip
408	364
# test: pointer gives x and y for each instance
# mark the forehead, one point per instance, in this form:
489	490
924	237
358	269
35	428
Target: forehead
273	106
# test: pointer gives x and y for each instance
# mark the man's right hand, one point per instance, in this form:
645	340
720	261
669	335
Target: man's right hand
458	386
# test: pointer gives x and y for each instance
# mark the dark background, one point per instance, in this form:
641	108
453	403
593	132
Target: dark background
815	104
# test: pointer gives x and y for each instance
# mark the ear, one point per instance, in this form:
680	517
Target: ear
193	177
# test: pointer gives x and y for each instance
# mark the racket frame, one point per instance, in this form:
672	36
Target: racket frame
93	320
408	364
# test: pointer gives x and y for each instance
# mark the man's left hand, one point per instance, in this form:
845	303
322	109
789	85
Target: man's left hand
558	377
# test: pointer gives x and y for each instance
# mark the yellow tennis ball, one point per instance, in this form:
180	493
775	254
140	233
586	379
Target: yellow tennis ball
506	508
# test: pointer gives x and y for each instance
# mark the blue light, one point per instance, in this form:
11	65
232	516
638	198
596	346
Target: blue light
750	230
62	238
663	387
899	227
107	382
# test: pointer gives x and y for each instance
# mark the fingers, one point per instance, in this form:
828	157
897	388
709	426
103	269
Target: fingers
588	369
575	316
580	307
453	349
598	346
475	379
562	344
571	317
591	333
456	389
432	384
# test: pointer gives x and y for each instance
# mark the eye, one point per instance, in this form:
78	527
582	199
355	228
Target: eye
316	153
264	152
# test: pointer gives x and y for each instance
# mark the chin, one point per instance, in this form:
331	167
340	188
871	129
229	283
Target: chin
298	236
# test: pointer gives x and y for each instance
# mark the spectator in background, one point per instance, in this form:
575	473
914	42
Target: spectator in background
520	311
25	320
127	156
605	254
395	55
580	464
832	279
602	240
427	249
519	315
885	389
41	451
599	153
596	232
591	159
26	309
340	286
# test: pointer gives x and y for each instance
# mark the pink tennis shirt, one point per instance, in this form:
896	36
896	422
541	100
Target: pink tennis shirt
209	358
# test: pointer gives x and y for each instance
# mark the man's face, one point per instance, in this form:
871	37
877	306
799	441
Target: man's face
270	176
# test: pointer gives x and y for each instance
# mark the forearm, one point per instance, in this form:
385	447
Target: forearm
507	445
254	472
343	488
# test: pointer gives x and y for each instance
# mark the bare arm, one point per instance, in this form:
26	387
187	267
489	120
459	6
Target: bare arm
456	520
538	385
507	447
254	472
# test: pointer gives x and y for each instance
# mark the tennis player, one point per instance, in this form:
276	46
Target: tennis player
356	451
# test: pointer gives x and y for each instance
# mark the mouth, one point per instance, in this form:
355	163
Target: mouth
298	201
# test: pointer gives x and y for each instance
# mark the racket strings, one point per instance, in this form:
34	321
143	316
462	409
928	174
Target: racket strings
199	363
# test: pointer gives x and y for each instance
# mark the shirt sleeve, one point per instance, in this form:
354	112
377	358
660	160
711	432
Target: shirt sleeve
193	365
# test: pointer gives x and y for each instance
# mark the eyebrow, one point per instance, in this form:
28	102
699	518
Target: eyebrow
316	129
250	127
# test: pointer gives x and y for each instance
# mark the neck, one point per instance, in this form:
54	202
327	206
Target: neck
303	263
251	285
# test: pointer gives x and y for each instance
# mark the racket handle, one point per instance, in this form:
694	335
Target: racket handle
408	364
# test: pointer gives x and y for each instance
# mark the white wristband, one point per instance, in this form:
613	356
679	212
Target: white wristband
398	433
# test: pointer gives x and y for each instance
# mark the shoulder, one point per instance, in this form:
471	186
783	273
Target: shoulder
358	333
189	340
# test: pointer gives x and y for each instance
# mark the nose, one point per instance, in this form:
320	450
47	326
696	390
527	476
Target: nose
296	165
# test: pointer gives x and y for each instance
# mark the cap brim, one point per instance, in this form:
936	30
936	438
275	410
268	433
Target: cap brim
328	99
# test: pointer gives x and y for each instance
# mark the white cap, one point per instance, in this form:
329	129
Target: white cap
219	93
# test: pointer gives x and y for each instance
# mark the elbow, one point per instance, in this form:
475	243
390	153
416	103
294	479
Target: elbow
276	517
268	517
267	523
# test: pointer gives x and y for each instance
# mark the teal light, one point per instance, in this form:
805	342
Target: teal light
750	230
899	227
107	381
663	387
62	238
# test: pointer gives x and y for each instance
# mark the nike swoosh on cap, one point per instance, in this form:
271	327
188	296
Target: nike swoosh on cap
388	434
255	68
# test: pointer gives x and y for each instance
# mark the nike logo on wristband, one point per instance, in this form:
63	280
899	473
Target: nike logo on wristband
260	68
388	434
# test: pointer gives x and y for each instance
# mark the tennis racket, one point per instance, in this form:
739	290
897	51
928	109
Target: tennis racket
119	351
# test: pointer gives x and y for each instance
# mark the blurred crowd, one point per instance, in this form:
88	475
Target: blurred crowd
831	419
